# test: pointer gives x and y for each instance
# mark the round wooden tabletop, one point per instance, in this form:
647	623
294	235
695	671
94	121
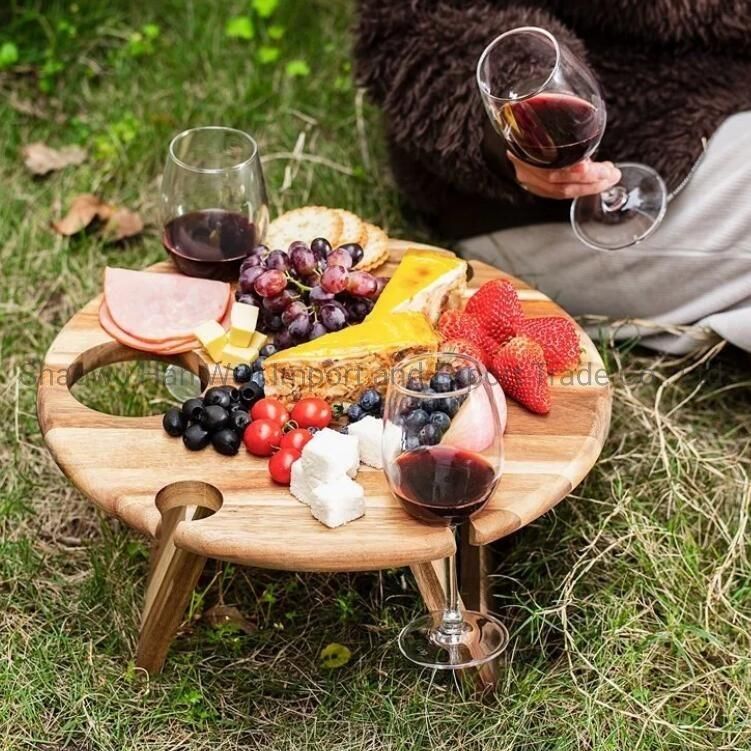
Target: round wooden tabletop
133	470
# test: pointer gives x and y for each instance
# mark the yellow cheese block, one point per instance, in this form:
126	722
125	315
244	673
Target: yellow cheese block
213	337
243	319
232	355
259	340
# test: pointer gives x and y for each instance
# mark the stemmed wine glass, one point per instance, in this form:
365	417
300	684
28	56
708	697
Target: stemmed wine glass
548	106
214	212
443	471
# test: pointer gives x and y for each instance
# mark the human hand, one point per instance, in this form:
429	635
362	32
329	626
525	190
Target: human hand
582	179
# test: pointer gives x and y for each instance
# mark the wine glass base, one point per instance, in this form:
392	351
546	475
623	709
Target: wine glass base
483	638
628	221
182	384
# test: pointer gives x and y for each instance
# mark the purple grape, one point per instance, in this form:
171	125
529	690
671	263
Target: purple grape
247	298
334	279
319	295
332	317
250	262
248	278
270	283
278	303
283	339
294	309
321	247
355	251
273	322
358	309
362	284
339	257
299	327
316	330
277	259
381	281
303	260
259	250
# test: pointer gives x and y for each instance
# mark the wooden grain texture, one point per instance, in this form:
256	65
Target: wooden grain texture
121	463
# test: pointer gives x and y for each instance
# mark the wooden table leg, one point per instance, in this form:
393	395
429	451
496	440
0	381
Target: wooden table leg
474	568
173	577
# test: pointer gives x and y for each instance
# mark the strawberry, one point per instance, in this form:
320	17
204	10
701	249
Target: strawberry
465	347
519	366
496	306
455	324
558	338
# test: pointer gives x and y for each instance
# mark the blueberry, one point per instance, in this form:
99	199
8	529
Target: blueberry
416	420
355	412
429	405
174	422
267	350
217	396
250	394
466	376
450	405
370	400
257	378
226	441
411	442
441	420
442	382
241	373
414	383
430	435
240	419
195	437
410	404
193	408
215	417
258	364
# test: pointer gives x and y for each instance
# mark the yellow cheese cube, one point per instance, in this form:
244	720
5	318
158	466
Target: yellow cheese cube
232	355
213	337
243	319
258	340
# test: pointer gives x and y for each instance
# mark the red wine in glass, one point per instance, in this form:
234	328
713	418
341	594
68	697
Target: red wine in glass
550	129
210	243
442	484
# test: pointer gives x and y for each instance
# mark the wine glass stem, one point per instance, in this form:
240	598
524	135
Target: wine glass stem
613	199
452	623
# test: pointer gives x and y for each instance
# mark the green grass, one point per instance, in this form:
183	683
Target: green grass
629	605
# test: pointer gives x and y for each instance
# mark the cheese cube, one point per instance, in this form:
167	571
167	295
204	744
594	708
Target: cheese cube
337	502
369	431
213	337
232	355
243	319
298	484
258	340
329	455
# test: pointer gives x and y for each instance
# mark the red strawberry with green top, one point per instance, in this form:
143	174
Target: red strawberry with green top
456	324
559	341
519	366
465	347
496	306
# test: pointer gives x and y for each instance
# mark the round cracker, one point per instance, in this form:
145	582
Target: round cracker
375	248
304	224
353	230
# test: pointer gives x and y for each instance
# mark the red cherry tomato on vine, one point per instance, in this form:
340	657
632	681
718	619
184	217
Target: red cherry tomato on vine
295	439
280	465
261	437
312	413
270	409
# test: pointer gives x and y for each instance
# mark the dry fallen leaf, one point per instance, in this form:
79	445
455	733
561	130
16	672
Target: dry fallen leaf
41	159
82	212
122	224
228	615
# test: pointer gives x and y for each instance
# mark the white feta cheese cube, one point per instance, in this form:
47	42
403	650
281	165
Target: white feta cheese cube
369	431
298	484
329	455
337	502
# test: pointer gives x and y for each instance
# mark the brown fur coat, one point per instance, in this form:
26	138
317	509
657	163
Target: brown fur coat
671	72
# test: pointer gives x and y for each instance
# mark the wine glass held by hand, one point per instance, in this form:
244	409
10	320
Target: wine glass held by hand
547	105
443	469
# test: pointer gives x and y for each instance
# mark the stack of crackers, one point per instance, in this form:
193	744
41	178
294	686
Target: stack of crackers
338	226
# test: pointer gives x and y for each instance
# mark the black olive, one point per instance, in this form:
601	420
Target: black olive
226	441
174	422
217	395
214	418
258	364
193	408
234	394
240	419
196	438
250	394
242	373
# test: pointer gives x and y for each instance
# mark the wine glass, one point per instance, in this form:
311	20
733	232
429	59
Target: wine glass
548	106
442	453
214	212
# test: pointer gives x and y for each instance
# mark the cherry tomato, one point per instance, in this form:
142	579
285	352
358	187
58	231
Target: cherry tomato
280	465
312	413
261	437
295	439
270	409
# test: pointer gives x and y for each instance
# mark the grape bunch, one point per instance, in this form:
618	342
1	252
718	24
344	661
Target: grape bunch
307	290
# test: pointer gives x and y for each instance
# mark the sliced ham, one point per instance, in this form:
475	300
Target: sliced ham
158	308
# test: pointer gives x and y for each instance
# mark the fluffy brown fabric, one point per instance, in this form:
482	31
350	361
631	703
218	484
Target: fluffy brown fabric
671	72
